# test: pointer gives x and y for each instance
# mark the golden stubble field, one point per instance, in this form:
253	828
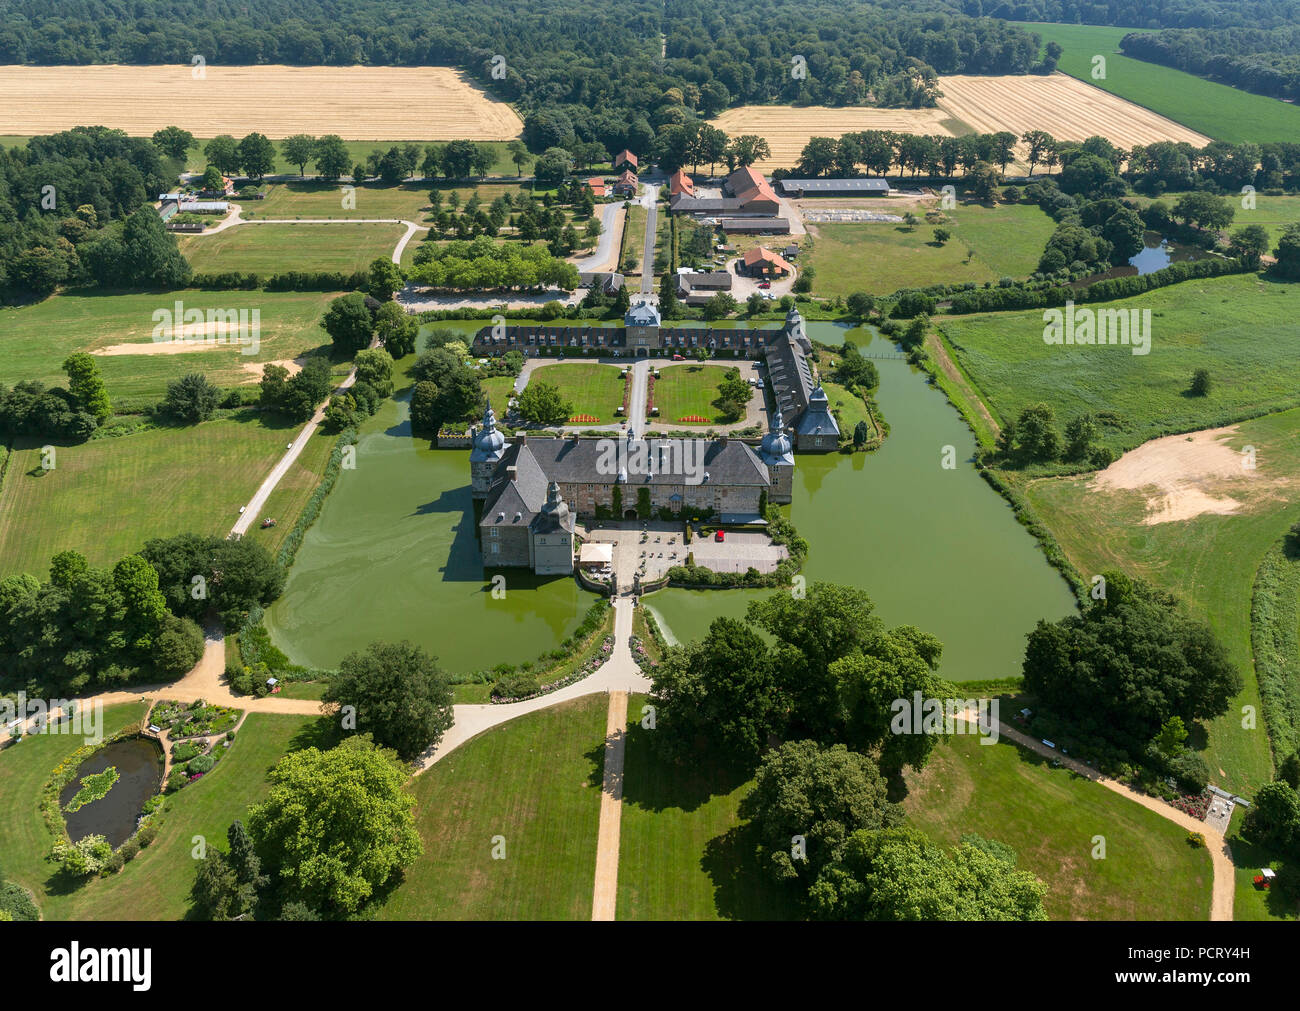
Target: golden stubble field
1066	108
357	103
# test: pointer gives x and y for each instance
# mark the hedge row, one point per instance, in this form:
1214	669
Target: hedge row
294	280
1274	620
348	437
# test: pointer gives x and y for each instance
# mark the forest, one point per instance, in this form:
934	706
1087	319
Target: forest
1265	61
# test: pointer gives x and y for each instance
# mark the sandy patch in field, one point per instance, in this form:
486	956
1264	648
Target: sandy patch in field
1185	476
294	366
357	103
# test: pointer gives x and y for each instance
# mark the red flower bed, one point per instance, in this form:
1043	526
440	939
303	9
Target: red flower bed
695	419
585	419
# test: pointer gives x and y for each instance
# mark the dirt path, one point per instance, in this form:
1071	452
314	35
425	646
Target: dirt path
605	893
935	346
1222	895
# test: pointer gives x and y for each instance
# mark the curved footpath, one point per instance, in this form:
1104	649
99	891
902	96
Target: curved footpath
1223	893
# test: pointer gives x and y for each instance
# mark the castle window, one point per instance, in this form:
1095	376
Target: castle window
496	549
496	532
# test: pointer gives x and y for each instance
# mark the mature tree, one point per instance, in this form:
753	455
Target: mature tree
1036	436
854	369
398	694
336	827
256	155
228	886
223	152
457	391
721	690
1274	817
212	181
1129	662
397	329
984	180
1289	771
1203	210
424	408
151	257
192	398
1250	244
745	150
554	165
1126	232
384	278
542	404
1038	142
174	142
1080	434
299	150
822	795
86	386
199	572
1287	252
519	155
375	368
333	160
901	874
349	323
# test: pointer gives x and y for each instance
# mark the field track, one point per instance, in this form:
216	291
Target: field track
1066	108
359	103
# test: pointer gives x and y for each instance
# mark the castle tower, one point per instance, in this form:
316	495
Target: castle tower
488	445
777	452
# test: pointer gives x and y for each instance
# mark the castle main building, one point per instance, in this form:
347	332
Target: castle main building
532	489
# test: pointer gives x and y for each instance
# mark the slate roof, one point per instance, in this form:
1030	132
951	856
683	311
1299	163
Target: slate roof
578	461
818	420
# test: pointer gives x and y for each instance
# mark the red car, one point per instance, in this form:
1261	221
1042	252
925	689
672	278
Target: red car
719	536
765	284
678	358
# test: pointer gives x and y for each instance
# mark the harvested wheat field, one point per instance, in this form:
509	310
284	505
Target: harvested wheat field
359	103
1066	108
788	128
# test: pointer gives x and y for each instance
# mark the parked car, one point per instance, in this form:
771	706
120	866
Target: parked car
720	536
765	284
678	358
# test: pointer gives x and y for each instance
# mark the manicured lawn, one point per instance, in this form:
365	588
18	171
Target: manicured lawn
1215	110
684	854
36	339
1209	562
325	200
1233	326
683	391
499	390
1250	902
878	257
156	884
634	240
848	408
592	388
1050	817
534	781
24	769
105	498
274	249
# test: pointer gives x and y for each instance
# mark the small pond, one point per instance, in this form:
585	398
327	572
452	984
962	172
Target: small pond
1156	254
139	764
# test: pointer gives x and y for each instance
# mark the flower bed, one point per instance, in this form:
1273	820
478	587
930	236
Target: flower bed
640	655
193	719
584	419
693	419
585	670
1196	805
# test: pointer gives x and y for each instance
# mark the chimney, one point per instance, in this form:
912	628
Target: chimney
722	442
521	438
512	474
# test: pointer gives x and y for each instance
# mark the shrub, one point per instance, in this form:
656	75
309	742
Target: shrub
514	686
1191	771
175	781
1196	840
146	835
203	763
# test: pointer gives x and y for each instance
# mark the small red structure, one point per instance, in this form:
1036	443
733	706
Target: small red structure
720	536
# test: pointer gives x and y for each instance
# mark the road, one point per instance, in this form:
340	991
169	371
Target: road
648	201
605	256
636	401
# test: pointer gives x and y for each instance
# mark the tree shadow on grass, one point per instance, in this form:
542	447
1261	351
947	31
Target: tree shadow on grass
322	734
658	784
741	891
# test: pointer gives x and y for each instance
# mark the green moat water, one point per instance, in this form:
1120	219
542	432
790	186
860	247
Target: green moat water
393	553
